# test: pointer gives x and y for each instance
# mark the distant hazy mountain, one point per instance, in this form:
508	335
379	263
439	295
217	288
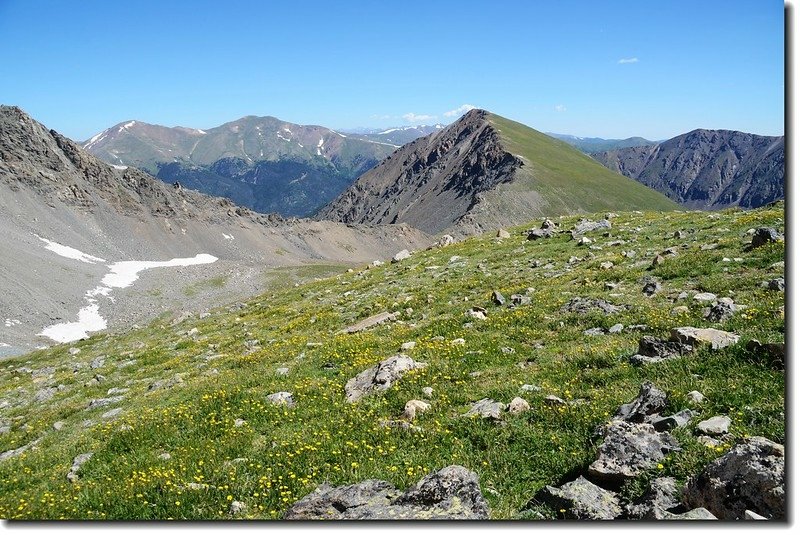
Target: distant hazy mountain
485	171
397	136
598	144
708	169
263	163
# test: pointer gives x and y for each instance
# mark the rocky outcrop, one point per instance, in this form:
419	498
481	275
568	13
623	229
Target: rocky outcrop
581	499
452	493
380	377
628	450
748	477
707	169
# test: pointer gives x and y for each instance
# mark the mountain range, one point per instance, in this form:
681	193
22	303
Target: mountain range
69	220
481	172
707	169
263	163
597	144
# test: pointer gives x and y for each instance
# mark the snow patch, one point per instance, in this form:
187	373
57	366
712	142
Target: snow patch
11	322
228	236
201	131
95	139
320	147
283	138
69	252
122	275
120	167
338	134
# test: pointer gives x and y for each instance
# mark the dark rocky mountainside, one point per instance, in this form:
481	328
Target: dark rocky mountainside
66	217
483	171
707	169
263	163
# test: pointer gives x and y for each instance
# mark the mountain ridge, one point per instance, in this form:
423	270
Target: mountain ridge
708	169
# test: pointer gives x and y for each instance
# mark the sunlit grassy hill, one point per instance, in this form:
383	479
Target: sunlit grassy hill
195	431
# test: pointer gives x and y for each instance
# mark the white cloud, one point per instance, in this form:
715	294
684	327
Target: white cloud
412	117
464	108
629	60
560	108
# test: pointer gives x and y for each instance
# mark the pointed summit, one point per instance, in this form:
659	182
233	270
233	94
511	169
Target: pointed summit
485	171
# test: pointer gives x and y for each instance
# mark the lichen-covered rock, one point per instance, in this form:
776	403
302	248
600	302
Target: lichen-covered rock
677	420
486	408
652	349
380	377
452	493
415	407
748	477
628	450
77	463
648	404
587	225
716	425
697	337
281	398
583	500
518	406
660	498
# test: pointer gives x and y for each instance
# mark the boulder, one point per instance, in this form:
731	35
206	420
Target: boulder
651	288
445	240
486	408
698	337
503	234
777	285
700	513
748	477
518	406
581	499
281	398
628	450
765	235
704	297
415	407
452	493
695	397
676	421
371	321
535	234
585	305
402	255
652	350
717	425
659	499
645	407
77	463
380	377
498	298
587	225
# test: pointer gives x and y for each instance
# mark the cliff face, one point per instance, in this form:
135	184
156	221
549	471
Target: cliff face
708	169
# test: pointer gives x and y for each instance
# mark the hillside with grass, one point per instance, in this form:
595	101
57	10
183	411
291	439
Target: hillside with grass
180	421
485	171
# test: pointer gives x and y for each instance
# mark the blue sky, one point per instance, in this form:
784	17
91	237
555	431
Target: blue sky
582	67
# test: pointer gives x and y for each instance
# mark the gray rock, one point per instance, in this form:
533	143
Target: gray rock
498	298
722	310
503	234
616	328
748	477
652	350
700	513
486	408
704	297
116	390
237	507
452	493
99	362
584	241
698	337
165	456
478	313
172	382
778	285
445	240
765	235
400	256
282	371
581	499
58	426
18	451
427	392
77	463
750	515
102	402
413	408
45	394
238	422
651	288
111	414
554	400
520	300
628	450
645	407
371	321
586	225
281	398
518	406
595	331
530	388
585	305
676	421
535	234
659	499
658	260
717	425
380	377
679	311
695	397
606	265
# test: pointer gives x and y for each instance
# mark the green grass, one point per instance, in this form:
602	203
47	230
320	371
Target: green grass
280	455
569	180
214	283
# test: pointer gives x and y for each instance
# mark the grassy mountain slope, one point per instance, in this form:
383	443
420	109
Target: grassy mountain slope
485	171
597	144
187	388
